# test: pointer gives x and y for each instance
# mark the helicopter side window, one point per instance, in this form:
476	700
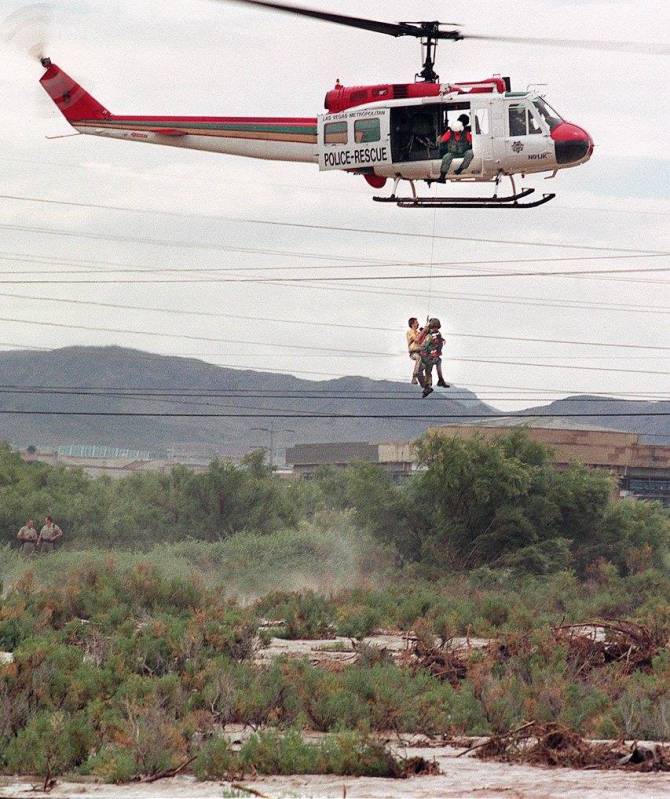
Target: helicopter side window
517	121
482	122
335	133
367	130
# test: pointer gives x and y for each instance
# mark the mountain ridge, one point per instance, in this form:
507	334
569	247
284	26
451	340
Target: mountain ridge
251	399
269	395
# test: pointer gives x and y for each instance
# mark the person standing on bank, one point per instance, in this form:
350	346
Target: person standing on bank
49	534
27	535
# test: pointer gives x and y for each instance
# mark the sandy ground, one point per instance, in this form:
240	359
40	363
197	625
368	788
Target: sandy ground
341	650
462	777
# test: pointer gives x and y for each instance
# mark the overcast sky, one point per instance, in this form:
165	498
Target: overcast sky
218	58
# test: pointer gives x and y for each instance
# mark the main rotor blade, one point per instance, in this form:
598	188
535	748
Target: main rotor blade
584	44
389	28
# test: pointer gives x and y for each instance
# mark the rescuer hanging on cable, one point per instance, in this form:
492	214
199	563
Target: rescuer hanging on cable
431	342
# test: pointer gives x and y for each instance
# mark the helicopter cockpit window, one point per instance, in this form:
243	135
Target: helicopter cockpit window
367	130
550	116
335	133
517	120
533	123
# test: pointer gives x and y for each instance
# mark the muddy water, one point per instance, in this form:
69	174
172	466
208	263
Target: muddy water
460	778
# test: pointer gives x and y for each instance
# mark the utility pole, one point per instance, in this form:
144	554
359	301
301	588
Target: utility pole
271	439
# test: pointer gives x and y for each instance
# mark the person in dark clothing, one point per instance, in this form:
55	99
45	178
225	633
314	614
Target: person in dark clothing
455	142
431	342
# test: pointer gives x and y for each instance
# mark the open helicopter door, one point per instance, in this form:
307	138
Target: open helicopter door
483	139
354	140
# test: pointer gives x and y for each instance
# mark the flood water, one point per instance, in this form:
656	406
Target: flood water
461	777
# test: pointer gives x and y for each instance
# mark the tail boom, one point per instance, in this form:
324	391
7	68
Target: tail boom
271	138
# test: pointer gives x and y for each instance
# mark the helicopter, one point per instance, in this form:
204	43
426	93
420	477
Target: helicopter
382	132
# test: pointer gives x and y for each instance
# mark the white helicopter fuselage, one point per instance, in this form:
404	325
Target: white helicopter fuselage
512	133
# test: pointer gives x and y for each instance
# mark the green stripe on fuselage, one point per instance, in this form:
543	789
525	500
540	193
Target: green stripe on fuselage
303	130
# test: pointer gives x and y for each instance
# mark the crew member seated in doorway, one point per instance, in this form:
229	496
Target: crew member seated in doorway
456	142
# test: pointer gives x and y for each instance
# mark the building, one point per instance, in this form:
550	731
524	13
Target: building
114	467
397	459
642	470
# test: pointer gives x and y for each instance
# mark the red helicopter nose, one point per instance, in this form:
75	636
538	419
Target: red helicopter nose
572	143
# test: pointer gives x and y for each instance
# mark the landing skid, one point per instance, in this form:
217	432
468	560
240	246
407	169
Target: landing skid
460	200
511	201
475	202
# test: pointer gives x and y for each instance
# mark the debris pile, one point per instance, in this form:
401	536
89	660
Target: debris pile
632	645
442	662
553	744
417	767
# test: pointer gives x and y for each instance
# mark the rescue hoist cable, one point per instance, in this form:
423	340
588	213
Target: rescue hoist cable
432	262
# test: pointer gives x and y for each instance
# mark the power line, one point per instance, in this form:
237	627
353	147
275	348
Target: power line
270	281
237	366
328	350
396	233
186	398
559	366
453	334
356	261
480	416
347	263
484	298
303	187
127	331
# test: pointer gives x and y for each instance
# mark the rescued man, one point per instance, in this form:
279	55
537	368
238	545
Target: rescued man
456	142
27	535
49	534
431	355
414	349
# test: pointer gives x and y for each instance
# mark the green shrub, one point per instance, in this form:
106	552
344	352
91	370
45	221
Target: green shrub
272	753
50	744
112	764
306	615
495	611
357	755
346	753
358	622
215	760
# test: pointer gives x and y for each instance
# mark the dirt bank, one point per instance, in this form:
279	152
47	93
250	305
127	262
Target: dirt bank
342	650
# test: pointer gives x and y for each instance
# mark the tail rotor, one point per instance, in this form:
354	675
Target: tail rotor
27	30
